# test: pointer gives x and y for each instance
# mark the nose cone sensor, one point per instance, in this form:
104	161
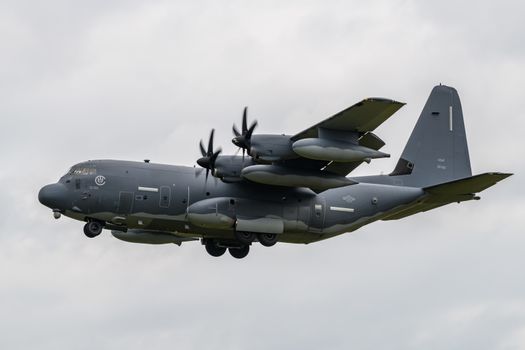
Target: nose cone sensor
53	196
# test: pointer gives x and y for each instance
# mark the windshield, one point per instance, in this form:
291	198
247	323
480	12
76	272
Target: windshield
82	171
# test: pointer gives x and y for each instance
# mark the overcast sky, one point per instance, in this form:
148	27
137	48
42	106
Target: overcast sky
148	79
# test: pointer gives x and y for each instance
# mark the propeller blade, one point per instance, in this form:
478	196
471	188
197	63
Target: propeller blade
210	143
203	151
250	131
243	139
214	156
244	121
235	131
209	157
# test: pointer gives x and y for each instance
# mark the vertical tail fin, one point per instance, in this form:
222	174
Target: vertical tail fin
437	149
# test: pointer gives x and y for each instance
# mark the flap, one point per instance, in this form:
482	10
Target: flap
372	141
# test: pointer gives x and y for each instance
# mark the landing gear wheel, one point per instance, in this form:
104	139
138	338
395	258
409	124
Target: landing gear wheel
239	252
213	249
267	239
92	229
245	237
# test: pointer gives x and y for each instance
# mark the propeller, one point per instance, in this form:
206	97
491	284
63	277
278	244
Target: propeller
208	156
244	139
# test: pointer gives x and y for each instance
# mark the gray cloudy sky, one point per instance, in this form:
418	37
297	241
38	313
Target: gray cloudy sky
148	79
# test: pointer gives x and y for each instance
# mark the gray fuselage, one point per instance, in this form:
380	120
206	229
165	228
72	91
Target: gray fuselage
157	197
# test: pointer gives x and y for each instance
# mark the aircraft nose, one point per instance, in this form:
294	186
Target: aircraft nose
53	196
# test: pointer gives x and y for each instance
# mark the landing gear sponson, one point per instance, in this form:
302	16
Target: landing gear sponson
238	248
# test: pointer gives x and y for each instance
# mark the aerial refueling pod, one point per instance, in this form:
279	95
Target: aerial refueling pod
334	150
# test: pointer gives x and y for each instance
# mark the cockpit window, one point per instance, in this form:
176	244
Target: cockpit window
83	171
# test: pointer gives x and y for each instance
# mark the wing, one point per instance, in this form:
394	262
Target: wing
357	122
321	156
362	117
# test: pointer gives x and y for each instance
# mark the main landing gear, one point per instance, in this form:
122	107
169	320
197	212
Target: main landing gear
214	249
245	237
266	239
239	252
240	247
217	249
93	228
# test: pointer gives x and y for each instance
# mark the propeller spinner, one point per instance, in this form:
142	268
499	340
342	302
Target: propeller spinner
208	156
243	139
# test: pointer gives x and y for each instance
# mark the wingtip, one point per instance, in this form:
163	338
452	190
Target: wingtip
383	99
499	175
505	175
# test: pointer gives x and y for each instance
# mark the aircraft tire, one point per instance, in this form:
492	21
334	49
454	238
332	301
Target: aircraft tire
213	249
239	253
267	239
245	237
92	229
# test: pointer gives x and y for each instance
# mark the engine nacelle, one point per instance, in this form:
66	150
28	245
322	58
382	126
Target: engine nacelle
332	150
281	176
229	168
271	148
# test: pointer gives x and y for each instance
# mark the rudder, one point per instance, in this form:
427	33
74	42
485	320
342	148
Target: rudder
437	150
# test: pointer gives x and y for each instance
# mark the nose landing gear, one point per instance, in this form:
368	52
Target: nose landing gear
93	229
244	237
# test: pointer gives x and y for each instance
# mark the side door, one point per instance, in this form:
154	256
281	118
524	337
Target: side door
125	203
165	197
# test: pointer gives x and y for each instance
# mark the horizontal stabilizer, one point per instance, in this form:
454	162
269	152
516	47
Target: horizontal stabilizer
468	185
446	193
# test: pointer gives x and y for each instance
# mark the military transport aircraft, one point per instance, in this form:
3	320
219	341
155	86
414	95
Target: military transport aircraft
283	188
